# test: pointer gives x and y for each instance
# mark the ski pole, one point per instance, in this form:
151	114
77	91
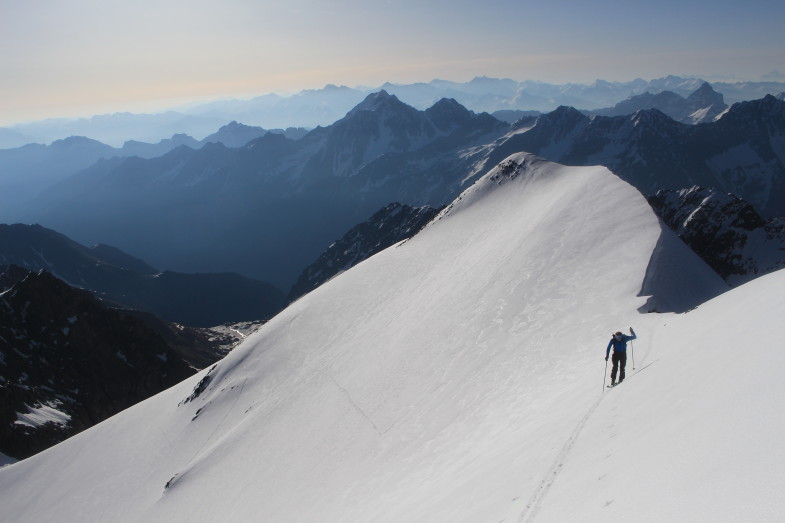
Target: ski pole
605	376
632	348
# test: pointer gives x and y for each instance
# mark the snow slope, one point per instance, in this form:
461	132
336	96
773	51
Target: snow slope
698	435
455	377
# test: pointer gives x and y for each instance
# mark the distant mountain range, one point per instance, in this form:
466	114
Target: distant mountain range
25	171
201	300
481	94
320	107
742	153
703	105
270	208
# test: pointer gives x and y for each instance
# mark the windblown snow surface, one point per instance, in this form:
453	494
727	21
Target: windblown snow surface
458	377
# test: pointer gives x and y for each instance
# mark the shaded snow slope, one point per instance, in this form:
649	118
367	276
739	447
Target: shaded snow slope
445	379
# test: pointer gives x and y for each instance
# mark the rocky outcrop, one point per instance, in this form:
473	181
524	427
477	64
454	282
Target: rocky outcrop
67	362
388	226
724	230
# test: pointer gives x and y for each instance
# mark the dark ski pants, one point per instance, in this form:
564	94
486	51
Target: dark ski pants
619	360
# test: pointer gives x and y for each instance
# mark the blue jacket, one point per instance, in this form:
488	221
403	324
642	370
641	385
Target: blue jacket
619	346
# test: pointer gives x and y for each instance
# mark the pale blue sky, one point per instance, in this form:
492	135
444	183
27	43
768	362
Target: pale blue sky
82	57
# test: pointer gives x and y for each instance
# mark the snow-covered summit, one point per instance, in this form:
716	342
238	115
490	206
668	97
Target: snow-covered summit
454	377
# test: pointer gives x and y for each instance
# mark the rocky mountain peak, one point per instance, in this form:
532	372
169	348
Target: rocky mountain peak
448	105
235	134
651	117
562	115
378	102
77	141
447	112
767	112
706	96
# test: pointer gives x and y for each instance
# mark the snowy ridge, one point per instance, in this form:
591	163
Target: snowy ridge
454	377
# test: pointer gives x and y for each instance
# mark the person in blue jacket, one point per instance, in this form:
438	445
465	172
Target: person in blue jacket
619	358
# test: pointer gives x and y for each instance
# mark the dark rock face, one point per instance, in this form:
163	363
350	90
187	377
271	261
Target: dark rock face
67	363
198	347
512	116
724	230
386	227
10	275
706	97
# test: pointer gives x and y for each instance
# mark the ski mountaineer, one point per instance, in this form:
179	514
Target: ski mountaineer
619	344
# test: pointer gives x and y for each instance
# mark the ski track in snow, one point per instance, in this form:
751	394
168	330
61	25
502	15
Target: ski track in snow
535	502
346	393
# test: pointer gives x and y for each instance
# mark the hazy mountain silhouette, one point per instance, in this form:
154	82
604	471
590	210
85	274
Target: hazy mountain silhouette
269	208
193	299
